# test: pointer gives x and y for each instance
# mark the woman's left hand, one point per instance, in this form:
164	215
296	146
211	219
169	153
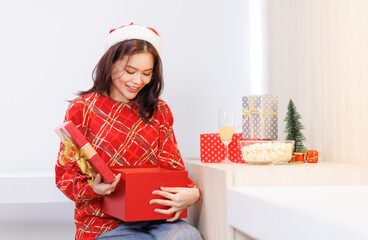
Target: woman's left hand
177	198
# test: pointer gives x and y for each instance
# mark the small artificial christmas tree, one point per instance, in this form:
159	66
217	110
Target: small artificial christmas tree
294	127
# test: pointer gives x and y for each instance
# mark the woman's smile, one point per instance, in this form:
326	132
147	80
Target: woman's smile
132	89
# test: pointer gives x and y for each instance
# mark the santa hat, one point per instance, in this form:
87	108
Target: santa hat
133	31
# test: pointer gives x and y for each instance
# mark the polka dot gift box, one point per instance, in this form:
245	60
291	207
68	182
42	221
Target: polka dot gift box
260	117
213	150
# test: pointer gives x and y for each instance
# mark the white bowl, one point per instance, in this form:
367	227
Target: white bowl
266	151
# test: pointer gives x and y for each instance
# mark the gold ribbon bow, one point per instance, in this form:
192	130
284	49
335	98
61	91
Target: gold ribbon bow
253	111
71	153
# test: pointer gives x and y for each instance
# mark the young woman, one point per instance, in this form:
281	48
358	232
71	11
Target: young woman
128	124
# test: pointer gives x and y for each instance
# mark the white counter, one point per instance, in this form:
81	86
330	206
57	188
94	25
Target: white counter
300	212
214	179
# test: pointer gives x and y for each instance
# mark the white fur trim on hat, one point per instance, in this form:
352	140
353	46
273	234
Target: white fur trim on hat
133	31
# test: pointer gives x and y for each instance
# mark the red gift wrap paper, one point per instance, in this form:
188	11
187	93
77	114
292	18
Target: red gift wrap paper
312	156
130	200
70	131
214	151
299	157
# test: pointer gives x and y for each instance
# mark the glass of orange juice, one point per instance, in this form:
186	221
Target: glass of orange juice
226	128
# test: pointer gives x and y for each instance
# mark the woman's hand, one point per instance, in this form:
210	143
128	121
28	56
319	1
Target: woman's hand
177	198
101	188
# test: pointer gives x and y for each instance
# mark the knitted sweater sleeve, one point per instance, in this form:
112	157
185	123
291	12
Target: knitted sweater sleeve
169	154
69	178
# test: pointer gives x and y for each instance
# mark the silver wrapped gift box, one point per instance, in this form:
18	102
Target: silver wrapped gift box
260	117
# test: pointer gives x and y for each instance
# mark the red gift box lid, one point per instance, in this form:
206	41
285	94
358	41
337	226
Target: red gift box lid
68	131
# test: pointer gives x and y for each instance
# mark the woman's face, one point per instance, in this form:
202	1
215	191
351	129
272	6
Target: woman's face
130	75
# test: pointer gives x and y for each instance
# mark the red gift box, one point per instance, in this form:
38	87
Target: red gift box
312	156
299	157
130	201
71	133
213	150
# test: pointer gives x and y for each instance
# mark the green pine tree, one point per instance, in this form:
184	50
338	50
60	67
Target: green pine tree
294	127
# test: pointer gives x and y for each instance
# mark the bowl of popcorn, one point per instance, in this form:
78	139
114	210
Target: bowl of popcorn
267	151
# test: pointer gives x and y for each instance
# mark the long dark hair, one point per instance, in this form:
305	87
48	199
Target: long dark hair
147	98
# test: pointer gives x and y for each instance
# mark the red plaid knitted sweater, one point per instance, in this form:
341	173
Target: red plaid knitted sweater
122	139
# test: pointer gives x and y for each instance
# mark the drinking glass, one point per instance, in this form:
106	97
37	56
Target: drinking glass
226	128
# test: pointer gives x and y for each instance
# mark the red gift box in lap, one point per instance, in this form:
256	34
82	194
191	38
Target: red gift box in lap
213	150
70	132
130	201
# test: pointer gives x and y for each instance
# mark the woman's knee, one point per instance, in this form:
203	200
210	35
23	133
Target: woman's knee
188	233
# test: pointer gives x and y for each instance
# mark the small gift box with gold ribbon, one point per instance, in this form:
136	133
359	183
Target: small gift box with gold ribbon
299	157
312	156
78	149
260	117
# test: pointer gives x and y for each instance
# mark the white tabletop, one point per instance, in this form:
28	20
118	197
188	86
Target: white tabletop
300	212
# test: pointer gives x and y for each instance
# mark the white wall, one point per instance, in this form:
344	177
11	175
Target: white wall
318	56
49	49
